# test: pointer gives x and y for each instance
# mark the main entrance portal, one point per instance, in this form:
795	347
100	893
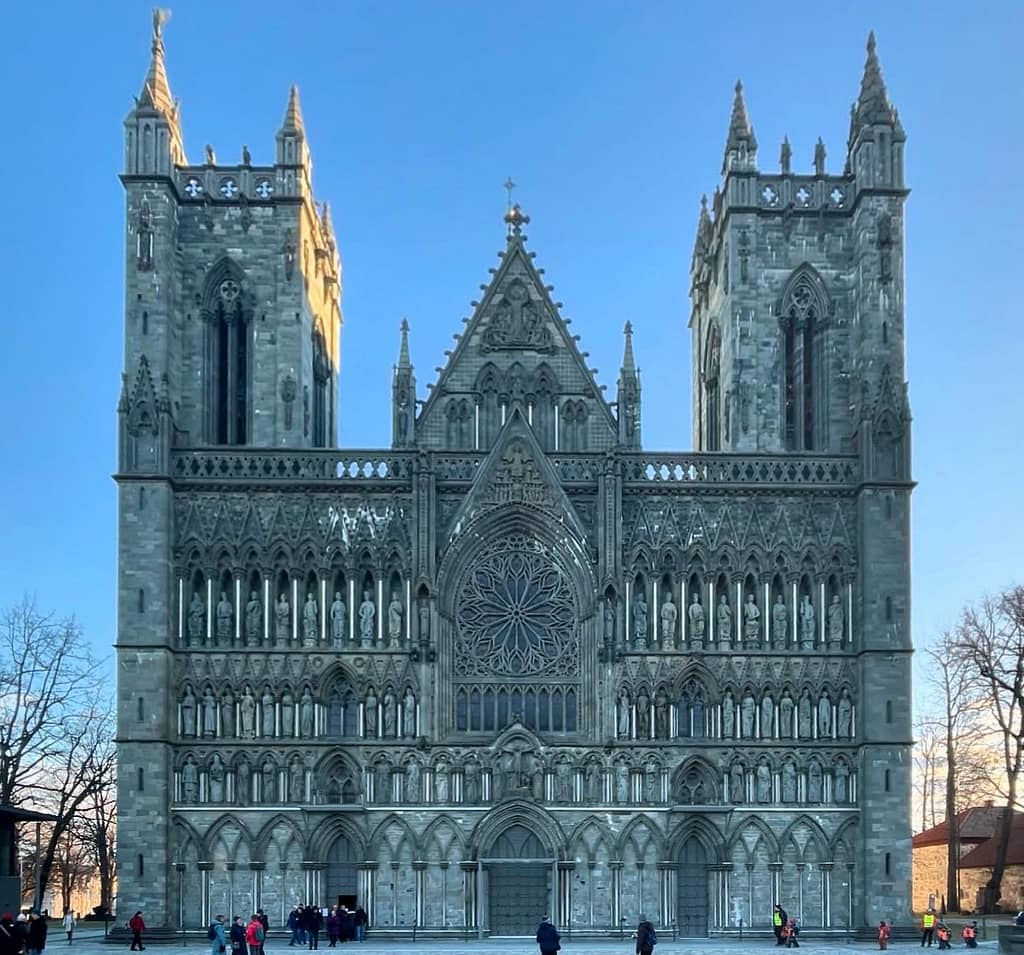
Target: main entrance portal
341	879
518	883
692	907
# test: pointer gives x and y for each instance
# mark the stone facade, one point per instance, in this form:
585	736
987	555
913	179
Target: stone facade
513	664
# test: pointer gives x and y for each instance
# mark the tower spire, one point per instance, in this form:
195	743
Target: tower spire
403	350
629	394
156	90
293	122
628	362
873	105
740	144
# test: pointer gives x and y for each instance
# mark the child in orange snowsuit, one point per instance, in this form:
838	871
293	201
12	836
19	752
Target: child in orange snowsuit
883	935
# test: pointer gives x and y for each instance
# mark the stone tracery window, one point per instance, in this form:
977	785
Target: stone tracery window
803	315
516	647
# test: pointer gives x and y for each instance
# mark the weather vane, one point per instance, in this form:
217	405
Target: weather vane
509	186
160	17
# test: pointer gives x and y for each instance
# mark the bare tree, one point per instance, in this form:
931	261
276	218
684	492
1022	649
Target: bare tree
928	766
991	636
99	832
56	722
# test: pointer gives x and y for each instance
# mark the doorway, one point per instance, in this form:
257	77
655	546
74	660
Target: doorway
692	903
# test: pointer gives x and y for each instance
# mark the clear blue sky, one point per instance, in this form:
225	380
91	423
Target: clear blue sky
610	116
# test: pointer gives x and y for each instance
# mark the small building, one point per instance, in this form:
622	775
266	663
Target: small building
10	867
978	834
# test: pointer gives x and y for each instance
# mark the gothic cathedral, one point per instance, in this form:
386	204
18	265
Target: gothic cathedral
514	665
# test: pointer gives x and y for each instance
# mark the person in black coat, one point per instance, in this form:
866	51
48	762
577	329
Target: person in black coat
237	934
10	936
35	938
547	937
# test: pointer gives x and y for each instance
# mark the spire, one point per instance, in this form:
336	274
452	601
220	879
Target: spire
628	364
785	156
873	103
156	91
293	114
403	351
741	144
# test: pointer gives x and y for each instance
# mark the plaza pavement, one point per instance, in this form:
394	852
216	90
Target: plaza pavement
89	941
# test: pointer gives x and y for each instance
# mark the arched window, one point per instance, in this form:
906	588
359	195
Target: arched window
228	357
321	391
803	316
712	401
543	413
488	387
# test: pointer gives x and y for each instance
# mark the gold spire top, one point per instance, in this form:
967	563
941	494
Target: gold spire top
293	121
156	91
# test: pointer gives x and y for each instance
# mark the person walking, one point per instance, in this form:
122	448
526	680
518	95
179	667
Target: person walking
646	937
237	935
218	940
254	934
361	920
928	927
548	938
264	920
970	935
779	919
35	938
315	922
138	926
69	922
792	931
883	935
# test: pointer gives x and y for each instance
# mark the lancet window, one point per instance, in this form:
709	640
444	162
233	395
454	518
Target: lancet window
803	317
228	355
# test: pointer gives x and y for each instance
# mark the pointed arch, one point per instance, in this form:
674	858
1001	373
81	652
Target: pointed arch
519	813
268	832
227	313
582	847
804	309
704	832
378	840
217	831
818	837
657	836
431	835
321	388
764	832
335	826
710	375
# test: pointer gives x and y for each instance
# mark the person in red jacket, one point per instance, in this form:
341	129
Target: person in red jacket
137	926
970	935
254	935
883	935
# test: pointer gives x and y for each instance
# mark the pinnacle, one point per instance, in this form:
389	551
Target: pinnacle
873	103
628	362
293	121
156	90
403	352
741	133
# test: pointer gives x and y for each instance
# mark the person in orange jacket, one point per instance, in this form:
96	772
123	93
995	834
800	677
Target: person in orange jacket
970	935
944	935
883	935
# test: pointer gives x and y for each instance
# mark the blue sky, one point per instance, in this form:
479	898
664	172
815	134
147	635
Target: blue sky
610	116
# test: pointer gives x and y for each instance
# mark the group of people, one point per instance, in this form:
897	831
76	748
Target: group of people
785	927
933	927
243	938
343	924
24	935
549	941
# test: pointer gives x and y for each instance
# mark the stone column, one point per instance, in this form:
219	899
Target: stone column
469	910
179	868
231	866
257	869
616	870
204	891
564	908
443	866
366	888
775	870
825	877
419	868
668	873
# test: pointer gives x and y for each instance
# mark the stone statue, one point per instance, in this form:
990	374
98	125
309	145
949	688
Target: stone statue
537	781
661	714
751	621
287	715
698	713
253	619
621	783
640	618
696	617
669	614
806	623
724	621
423	608
780	622
189	781
306	714
764	783
297	781
243	782
609	619
225	619
339	615
216	779
247	713
844	716
747	708
370	714
412	781
824	716
643	715
409	714
227	713
188	713
367	612
728	717
840	775
209	713
623	714
804	723
593	782
737	783
309	621
268	724
651	781
390	715
268	774
382	782
786	710
395	612
788	782
441	782
196	619
836	622
767	716
283	617
471	783
814	778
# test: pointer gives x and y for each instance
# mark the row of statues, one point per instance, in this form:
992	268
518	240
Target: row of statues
309	630
470	784
283	716
641	716
780	634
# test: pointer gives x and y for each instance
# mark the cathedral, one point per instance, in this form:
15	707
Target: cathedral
510	664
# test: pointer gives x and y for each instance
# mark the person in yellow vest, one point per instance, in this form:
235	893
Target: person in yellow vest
779	919
944	934
928	928
970	935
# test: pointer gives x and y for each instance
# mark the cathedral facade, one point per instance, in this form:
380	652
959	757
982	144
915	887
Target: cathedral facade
513	665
